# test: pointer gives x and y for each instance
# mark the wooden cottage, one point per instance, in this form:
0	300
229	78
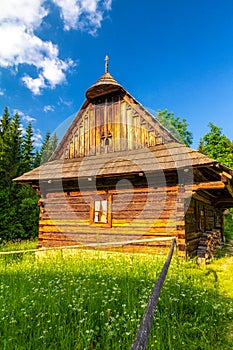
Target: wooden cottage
119	176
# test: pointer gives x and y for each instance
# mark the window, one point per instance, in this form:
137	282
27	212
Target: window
100	213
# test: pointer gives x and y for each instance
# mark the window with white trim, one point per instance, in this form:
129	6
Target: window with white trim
100	213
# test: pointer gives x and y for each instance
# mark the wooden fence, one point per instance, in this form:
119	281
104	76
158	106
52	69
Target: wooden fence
90	245
143	333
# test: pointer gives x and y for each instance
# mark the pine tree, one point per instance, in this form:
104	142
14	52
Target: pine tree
15	144
4	123
4	148
27	150
49	145
37	159
10	164
53	142
18	204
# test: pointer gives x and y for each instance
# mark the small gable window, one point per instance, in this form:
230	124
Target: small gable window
100	213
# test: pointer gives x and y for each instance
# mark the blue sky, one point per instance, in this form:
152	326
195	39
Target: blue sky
173	54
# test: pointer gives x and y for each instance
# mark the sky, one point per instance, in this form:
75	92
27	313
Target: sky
168	54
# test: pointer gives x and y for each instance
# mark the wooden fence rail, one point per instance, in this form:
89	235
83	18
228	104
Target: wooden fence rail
143	333
88	245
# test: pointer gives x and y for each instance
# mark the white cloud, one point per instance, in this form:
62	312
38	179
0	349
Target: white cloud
19	20
29	12
83	14
24	117
108	4
70	12
19	44
61	101
28	119
1	93
35	85
48	108
37	137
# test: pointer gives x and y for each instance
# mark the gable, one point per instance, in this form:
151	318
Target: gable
110	121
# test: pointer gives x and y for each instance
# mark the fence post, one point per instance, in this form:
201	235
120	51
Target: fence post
143	333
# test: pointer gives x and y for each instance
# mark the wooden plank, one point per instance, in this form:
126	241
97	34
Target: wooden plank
211	185
102	130
117	138
123	127
130	128
81	140
201	198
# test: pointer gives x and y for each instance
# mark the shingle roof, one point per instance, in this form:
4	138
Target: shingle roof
161	157
106	83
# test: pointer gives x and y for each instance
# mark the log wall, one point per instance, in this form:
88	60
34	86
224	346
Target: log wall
138	212
200	217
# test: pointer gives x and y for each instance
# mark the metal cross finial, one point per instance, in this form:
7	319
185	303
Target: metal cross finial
106	63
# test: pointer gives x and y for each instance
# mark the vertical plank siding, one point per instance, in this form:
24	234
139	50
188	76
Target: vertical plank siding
126	131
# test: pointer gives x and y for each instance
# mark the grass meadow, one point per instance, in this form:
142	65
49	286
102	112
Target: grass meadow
95	300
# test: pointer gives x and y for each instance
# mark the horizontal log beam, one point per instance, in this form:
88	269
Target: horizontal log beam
213	185
224	202
224	173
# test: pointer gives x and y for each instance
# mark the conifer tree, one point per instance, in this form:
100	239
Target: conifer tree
15	143
18	204
49	145
37	158
43	153
27	150
4	123
4	147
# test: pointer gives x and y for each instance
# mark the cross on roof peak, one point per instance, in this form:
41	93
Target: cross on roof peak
106	63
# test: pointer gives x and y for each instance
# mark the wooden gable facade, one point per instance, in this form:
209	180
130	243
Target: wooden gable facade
119	176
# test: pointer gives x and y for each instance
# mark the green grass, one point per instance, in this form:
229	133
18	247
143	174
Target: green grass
20	245
95	300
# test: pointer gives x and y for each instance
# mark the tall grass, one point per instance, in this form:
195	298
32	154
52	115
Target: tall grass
95	300
19	245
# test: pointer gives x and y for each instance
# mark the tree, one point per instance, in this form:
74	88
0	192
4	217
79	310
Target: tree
216	145
15	143
4	147
28	150
19	212
10	148
37	159
178	127
49	145
4	123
